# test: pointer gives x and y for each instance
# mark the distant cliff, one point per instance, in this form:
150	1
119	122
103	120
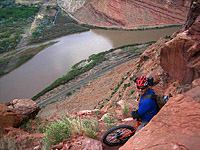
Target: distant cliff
129	13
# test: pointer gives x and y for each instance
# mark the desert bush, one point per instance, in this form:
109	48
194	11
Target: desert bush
86	125
55	133
126	85
125	109
65	127
109	121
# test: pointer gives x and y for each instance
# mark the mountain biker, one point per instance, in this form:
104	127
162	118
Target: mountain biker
147	106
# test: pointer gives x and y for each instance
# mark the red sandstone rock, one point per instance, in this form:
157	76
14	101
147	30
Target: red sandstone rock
26	108
176	126
172	60
86	143
180	57
8	118
130	13
56	147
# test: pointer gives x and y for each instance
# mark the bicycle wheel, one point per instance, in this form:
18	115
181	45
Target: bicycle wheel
112	136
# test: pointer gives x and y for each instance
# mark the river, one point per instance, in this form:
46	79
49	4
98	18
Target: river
56	60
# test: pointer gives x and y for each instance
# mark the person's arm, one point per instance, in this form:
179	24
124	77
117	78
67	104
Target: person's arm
144	107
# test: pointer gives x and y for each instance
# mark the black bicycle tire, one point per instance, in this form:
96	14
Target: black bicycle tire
120	142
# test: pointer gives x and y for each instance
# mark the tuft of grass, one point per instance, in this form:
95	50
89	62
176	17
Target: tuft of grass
109	121
132	92
126	85
183	86
64	128
55	133
125	109
69	94
138	69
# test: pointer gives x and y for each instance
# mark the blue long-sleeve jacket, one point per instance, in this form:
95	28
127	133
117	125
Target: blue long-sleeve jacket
147	107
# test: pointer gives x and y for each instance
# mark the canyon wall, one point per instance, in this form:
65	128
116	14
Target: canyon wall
180	56
129	13
176	126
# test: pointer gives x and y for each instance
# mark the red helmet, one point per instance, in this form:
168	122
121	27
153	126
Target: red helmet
141	81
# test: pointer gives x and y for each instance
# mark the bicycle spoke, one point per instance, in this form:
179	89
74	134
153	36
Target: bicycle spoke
118	135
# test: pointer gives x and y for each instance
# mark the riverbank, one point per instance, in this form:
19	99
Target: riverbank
15	59
115	22
45	31
86	68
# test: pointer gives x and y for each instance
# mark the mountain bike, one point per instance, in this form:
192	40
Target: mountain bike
119	135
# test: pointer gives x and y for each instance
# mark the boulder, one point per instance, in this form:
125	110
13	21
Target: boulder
80	143
176	126
87	112
24	140
86	143
26	108
8	118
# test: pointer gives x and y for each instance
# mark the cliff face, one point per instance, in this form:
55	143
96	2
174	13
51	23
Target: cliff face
176	126
129	13
180	56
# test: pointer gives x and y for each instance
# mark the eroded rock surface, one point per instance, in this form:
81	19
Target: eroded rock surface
129	13
8	118
26	108
180	57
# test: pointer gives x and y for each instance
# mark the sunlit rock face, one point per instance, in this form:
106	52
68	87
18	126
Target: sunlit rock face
180	57
128	13
176	126
8	117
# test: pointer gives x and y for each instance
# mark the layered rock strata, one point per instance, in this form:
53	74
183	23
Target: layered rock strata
180	57
129	13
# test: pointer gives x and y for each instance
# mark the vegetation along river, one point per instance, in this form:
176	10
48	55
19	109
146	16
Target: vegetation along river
56	60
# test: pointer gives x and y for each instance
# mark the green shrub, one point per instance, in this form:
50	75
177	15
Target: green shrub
64	25
126	85
138	68
110	121
125	109
69	94
65	127
132	92
183	86
55	133
87	126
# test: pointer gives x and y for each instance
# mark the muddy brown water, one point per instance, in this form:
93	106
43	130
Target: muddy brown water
56	60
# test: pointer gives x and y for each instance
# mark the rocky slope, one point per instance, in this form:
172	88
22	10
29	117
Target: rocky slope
128	13
172	62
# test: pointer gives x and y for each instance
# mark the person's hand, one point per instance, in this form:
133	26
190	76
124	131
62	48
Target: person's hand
135	115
